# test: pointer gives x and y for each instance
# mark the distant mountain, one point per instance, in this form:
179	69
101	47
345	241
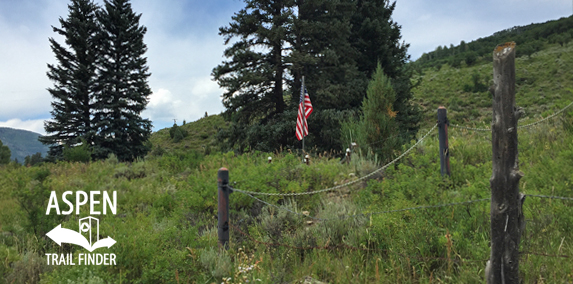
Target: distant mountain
22	143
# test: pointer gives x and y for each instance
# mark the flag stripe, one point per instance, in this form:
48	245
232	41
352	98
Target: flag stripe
301	123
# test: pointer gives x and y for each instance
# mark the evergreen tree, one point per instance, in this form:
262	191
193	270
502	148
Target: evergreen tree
324	54
376	38
73	76
335	44
5	154
33	160
378	118
254	74
375	131
123	91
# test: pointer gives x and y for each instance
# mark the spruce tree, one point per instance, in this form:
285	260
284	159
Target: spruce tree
324	54
123	90
378	120
5	154
377	40
254	74
73	76
335	44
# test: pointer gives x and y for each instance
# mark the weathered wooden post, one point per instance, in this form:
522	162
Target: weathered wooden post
223	191
507	221
443	137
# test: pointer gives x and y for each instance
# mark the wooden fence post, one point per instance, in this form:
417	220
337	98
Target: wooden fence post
443	136
223	207
507	221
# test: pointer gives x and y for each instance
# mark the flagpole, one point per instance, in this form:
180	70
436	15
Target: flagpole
303	113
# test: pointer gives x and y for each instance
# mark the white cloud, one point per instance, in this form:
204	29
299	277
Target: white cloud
35	125
204	87
162	105
184	46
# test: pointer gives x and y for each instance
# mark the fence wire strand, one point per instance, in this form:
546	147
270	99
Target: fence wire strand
345	184
543	254
547	118
329	246
391	211
469	128
550	197
519	126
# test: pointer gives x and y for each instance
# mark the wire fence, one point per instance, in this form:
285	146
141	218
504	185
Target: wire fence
458	259
329	246
519	126
345	184
468	202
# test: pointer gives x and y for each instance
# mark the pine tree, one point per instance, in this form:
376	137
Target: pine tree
73	78
253	77
378	119
5	154
123	91
335	44
376	38
324	54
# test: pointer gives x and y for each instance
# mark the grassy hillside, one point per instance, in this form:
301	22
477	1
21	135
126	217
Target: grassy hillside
531	38
22	143
200	135
165	226
543	85
165	223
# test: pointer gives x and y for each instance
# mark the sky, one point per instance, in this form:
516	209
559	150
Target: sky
184	46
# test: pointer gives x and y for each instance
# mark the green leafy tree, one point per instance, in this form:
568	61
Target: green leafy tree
123	90
74	78
5	154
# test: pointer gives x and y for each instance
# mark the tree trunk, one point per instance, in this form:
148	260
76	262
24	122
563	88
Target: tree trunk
506	214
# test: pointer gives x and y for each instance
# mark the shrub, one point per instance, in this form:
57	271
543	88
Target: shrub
177	133
134	171
28	269
33	197
216	262
78	274
81	153
112	159
568	120
278	222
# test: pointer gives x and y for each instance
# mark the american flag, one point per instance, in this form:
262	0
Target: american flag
301	119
